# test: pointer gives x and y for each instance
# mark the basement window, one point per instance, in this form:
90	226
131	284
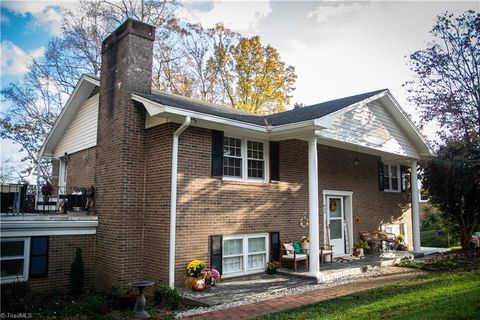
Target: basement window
14	259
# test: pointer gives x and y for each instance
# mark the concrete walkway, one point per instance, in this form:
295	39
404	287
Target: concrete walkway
294	301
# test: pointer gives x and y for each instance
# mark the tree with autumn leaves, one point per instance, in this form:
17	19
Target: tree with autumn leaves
447	90
254	77
216	65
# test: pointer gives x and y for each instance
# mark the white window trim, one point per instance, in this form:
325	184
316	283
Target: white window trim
62	175
420	199
26	260
399	178
244	153
245	253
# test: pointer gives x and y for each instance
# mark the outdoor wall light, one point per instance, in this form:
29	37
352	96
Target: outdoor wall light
356	162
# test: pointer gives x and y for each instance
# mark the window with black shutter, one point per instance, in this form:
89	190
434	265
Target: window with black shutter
274	246
217	153
381	176
274	161
38	257
216	252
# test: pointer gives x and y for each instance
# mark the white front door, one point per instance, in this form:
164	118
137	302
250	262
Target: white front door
335	224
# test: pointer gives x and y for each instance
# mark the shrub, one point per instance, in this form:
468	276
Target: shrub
77	273
15	296
166	296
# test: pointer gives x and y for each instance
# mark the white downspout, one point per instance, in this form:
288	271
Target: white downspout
173	202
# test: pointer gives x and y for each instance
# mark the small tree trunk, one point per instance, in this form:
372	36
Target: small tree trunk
465	237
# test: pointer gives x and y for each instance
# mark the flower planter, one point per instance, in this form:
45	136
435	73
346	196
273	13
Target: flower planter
358	252
271	271
198	284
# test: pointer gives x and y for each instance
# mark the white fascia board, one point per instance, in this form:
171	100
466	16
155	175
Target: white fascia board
25	226
313	123
60	124
155	108
152	107
410	128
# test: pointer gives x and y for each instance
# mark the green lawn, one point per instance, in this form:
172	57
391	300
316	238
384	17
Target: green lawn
440	295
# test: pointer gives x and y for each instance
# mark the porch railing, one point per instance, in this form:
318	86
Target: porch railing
24	199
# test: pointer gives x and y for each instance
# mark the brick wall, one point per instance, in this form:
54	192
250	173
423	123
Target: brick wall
120	166
81	168
158	148
61	253
208	206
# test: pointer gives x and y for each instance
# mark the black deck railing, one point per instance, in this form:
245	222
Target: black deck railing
21	199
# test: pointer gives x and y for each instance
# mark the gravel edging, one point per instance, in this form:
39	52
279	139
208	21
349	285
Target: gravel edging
373	272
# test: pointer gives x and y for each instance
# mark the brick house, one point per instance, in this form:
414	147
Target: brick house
178	179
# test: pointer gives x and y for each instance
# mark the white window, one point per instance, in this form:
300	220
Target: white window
423	195
397	229
232	157
391	178
244	254
14	259
241	153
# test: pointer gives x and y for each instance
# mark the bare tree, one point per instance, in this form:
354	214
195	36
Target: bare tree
447	86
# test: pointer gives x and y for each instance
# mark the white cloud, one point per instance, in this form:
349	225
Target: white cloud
15	61
4	20
48	14
236	15
330	10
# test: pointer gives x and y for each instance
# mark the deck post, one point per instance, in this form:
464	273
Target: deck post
313	207
415	207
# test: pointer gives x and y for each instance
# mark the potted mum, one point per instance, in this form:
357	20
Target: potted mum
272	267
194	270
359	246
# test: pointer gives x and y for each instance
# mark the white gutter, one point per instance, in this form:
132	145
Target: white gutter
173	202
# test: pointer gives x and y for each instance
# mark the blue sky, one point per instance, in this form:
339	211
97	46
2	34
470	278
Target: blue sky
338	48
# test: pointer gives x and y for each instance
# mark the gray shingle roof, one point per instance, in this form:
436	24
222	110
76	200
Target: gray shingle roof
310	112
296	115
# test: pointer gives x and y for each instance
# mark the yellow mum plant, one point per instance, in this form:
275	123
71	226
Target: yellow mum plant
195	267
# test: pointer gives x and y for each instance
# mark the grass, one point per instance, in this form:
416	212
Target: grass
440	295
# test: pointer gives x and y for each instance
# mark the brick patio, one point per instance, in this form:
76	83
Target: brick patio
288	302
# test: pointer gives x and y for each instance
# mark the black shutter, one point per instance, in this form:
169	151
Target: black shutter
274	161
403	177
381	187
38	257
217	153
274	246
216	252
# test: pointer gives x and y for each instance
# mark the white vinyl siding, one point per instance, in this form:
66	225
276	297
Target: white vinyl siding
371	126
81	134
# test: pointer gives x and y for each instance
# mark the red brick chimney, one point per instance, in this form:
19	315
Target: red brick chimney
126	68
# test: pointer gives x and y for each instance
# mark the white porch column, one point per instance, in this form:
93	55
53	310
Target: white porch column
415	207
313	207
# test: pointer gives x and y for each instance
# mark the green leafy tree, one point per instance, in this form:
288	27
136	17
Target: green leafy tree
77	273
452	179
